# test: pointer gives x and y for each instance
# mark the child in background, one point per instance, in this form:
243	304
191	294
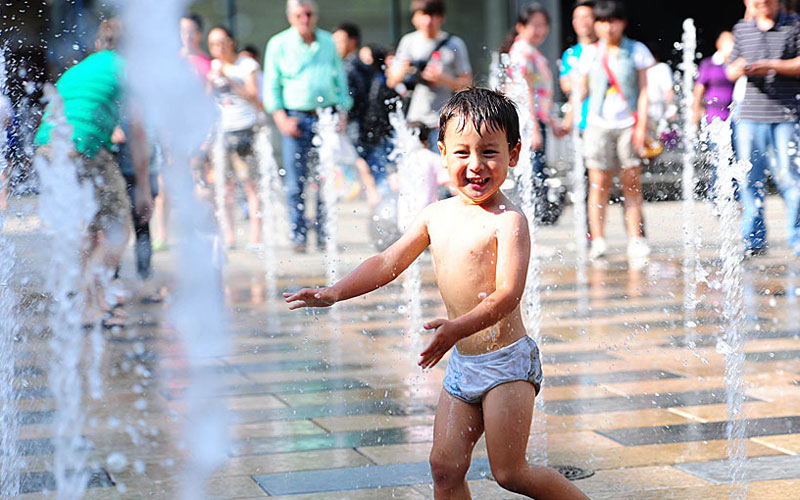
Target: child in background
480	246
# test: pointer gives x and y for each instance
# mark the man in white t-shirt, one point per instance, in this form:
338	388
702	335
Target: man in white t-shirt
233	79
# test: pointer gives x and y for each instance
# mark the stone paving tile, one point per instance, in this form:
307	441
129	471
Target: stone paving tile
403	493
763	468
636	402
321	481
309	442
610	377
697	432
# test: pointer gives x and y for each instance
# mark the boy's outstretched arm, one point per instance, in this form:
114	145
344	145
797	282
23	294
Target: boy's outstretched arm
373	273
513	253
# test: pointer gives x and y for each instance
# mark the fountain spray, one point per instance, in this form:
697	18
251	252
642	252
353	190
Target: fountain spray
691	235
733	311
518	91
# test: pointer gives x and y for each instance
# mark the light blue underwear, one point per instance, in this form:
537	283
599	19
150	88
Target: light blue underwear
470	377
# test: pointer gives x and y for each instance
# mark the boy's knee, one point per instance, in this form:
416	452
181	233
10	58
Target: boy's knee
510	477
446	469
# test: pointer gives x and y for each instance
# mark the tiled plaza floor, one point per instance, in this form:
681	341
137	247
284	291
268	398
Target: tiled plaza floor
327	409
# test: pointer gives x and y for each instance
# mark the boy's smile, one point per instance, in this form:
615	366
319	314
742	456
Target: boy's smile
477	163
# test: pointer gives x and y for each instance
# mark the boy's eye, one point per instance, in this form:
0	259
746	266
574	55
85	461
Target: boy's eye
462	152
490	152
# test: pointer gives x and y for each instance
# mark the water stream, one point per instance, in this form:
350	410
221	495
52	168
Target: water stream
10	465
691	235
66	206
733	308
518	91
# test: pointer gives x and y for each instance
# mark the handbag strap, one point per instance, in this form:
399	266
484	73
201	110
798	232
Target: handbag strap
438	46
612	80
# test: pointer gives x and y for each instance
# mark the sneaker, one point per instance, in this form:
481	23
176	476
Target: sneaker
598	248
638	248
756	252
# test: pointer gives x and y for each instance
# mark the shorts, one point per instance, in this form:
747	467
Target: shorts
609	148
110	190
240	157
469	378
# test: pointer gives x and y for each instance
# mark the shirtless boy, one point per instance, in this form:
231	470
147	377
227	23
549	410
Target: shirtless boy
480	246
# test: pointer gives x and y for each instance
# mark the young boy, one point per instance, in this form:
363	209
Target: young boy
480	245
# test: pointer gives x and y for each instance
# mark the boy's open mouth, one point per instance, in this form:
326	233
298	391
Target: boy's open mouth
479	181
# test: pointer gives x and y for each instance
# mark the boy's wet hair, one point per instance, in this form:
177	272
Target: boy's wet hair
430	7
609	10
485	108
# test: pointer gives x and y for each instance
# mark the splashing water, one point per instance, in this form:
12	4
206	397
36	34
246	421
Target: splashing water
327	141
414	184
733	312
66	206
10	464
174	104
271	209
517	90
579	203
691	234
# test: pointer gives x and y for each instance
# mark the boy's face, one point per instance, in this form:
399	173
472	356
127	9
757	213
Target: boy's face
477	163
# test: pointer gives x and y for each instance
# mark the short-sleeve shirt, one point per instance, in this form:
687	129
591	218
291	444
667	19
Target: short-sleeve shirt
92	94
718	89
616	112
427	101
236	112
569	62
771	98
304	76
536	72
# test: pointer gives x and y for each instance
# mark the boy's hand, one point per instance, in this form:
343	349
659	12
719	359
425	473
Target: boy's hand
310	297
444	338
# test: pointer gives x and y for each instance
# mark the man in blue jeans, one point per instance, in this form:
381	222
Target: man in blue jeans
767	50
302	73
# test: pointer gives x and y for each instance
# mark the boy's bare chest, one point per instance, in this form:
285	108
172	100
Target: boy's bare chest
464	243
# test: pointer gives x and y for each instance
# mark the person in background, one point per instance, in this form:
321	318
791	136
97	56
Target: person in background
713	95
252	52
615	79
302	73
233	80
660	98
767	50
191	30
531	29
583	24
92	94
433	62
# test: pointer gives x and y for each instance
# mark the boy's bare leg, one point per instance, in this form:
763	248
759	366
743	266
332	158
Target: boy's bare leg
457	427
632	189
599	192
507	413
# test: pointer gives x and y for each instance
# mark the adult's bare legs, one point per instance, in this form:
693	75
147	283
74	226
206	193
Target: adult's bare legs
599	192
632	190
457	427
507	413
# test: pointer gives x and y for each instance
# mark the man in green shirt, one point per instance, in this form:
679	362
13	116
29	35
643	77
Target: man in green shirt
302	73
92	92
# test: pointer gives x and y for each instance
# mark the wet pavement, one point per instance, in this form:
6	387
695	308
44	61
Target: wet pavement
329	404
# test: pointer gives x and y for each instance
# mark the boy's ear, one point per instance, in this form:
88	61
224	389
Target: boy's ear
513	155
442	153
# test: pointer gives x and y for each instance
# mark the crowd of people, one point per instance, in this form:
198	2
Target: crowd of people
621	98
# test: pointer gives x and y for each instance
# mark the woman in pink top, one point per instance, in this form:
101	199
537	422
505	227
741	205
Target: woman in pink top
532	27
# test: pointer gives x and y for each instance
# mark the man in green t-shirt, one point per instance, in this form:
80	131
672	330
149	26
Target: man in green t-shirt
92	93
